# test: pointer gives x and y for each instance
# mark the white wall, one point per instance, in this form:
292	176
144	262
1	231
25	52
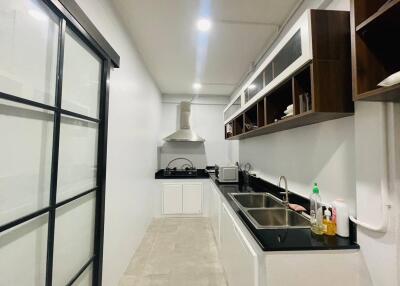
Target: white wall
381	251
134	116
322	153
206	121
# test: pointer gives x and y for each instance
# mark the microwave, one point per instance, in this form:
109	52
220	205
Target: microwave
227	174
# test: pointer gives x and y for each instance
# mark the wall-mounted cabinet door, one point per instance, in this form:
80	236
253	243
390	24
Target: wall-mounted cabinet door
172	198
192	198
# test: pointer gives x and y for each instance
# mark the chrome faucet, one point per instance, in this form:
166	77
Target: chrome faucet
286	201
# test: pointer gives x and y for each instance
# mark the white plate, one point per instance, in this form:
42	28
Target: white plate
390	80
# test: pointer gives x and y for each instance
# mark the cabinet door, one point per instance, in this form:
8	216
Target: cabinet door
192	198
172	198
215	213
238	259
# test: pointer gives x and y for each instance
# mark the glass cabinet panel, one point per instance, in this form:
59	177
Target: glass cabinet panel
287	55
233	108
255	86
268	74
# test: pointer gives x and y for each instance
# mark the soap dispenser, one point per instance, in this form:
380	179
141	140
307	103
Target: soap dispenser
329	224
316	215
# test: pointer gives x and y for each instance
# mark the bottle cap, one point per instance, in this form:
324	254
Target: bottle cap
315	189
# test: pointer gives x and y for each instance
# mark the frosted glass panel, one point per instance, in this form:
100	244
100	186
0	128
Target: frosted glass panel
25	152
233	108
78	157
81	79
85	279
74	235
28	45
23	254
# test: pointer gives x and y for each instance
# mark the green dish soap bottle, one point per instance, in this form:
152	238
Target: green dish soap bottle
316	216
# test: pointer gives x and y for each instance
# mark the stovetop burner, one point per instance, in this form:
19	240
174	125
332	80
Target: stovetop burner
175	172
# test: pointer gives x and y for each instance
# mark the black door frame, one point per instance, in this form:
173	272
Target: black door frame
71	16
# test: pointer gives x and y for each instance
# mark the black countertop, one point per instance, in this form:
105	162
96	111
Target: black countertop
276	239
201	174
283	239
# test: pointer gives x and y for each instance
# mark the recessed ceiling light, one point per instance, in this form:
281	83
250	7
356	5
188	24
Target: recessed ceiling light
204	24
196	86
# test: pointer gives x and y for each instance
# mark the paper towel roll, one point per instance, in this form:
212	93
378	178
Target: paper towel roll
341	212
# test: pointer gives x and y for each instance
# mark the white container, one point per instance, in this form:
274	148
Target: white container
341	213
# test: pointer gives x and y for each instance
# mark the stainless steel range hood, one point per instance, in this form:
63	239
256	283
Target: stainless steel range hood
184	133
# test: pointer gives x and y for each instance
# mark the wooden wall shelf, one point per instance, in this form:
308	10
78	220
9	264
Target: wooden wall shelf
319	91
388	12
295	121
375	26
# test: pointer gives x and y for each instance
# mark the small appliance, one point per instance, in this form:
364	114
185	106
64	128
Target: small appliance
184	172
227	174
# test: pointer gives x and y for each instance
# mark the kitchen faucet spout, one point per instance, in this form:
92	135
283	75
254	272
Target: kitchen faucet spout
286	201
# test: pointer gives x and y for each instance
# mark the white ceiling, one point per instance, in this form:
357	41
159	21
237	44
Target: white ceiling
165	33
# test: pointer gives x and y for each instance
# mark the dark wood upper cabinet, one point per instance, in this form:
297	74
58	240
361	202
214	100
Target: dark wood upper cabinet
375	27
319	88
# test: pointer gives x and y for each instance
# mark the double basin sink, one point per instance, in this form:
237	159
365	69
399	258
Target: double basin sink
265	211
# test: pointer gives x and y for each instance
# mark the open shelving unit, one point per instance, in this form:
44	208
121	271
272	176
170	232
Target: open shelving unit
277	102
270	109
261	113
319	90
238	125
375	28
251	119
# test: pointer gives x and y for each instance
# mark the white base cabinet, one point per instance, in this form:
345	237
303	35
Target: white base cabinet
215	213
182	198
172	198
238	258
192	198
244	262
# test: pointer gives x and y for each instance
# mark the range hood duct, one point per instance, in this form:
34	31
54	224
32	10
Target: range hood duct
184	133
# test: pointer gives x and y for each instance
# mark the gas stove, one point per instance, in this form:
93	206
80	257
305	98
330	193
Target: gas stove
175	172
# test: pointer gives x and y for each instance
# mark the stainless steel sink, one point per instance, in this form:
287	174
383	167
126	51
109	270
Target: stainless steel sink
265	211
277	218
256	200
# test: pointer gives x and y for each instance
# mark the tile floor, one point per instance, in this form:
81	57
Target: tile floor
176	252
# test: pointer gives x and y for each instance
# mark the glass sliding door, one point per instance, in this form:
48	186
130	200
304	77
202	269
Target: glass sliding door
82	76
74	234
77	163
25	166
29	39
53	120
23	251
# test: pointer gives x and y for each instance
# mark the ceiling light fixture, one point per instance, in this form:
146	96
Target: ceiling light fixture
252	86
204	24
197	86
